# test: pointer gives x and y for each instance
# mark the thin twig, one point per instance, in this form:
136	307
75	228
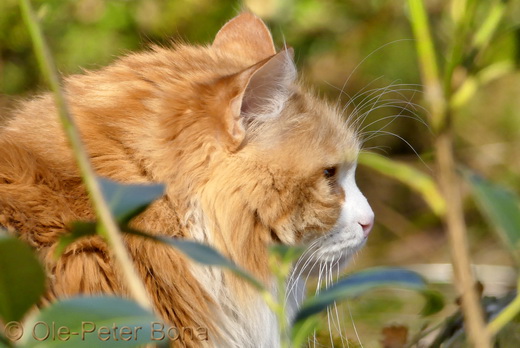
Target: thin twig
447	177
108	224
457	234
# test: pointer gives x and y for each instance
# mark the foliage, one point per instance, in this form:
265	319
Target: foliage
440	90
90	322
126	201
22	279
502	207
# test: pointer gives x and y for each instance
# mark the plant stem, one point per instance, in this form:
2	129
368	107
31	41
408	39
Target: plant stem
427	63
447	178
108	225
413	178
457	233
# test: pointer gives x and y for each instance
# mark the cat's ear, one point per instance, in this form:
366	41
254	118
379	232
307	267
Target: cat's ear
246	35
263	90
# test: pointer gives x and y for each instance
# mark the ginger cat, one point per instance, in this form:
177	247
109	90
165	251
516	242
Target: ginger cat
249	157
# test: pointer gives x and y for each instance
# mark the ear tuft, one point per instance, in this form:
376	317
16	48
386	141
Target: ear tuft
247	36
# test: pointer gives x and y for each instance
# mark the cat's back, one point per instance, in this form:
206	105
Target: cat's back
120	112
102	103
40	185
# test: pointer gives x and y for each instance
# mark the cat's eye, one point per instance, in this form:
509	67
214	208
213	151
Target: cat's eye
329	172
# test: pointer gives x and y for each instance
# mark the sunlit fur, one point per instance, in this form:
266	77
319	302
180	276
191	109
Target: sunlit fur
242	148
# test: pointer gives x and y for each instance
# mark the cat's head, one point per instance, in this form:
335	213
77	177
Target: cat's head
287	173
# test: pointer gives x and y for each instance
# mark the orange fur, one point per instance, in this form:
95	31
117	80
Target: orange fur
190	117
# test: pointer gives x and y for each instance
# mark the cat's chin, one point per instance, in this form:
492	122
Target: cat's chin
332	254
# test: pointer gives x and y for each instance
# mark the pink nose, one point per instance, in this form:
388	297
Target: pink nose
367	226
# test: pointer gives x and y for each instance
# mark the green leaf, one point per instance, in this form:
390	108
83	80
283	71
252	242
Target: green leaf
302	329
78	230
357	284
128	200
91	322
434	302
206	255
501	207
22	279
413	178
203	254
286	253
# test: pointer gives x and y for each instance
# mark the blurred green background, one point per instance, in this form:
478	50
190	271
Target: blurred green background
360	52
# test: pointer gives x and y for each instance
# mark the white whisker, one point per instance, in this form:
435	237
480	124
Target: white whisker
404	140
403	104
393	118
302	257
354	325
368	56
327	284
318	286
339	321
291	284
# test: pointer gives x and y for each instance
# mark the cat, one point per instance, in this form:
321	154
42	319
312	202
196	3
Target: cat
249	158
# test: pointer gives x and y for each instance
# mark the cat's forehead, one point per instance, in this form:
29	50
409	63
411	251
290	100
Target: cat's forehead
321	125
310	131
